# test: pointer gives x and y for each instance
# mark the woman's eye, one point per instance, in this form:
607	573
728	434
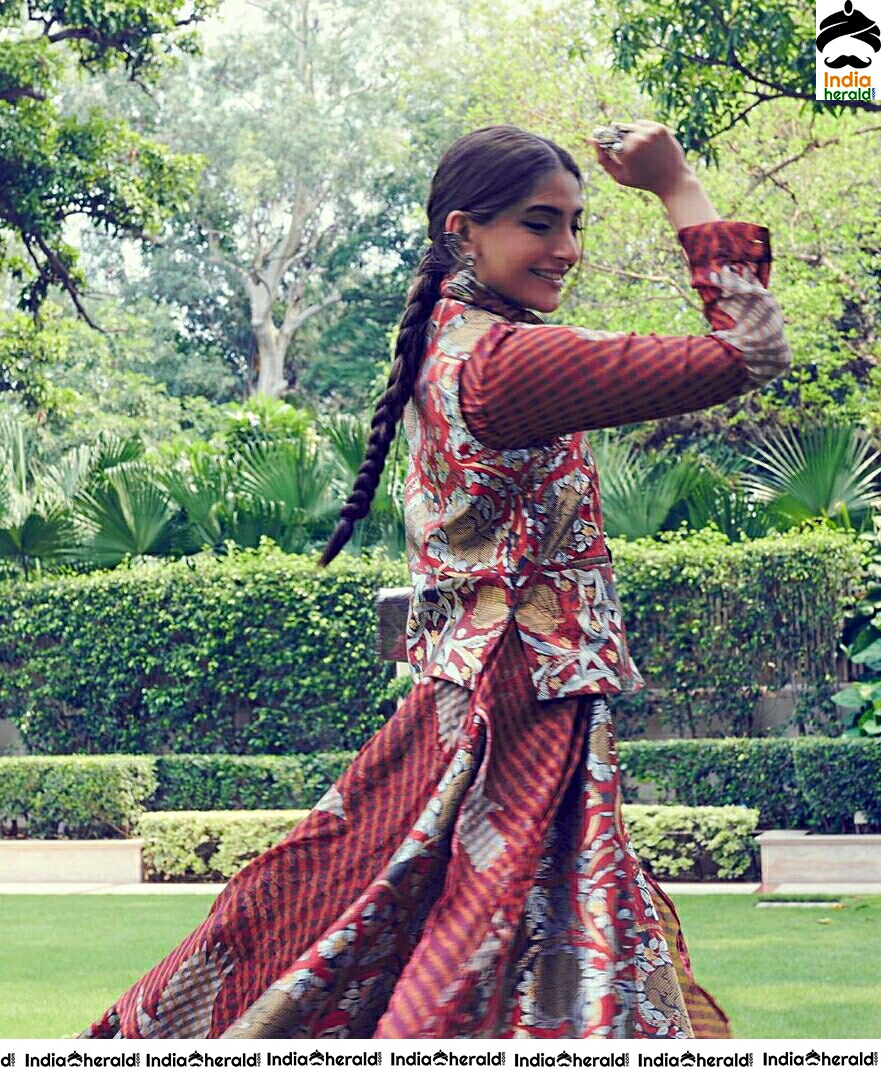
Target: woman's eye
536	226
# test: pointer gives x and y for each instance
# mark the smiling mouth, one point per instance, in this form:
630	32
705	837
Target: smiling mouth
554	276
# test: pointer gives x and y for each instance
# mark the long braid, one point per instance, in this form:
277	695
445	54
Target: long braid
424	294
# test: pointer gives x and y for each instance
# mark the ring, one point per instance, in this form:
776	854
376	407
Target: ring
611	139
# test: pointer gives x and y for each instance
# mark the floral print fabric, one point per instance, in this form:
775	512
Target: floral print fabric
481	884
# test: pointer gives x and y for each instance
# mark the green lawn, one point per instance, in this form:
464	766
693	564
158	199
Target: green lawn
782	972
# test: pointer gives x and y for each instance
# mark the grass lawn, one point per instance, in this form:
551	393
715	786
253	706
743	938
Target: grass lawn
779	972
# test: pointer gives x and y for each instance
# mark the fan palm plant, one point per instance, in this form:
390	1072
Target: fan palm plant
347	437
126	511
829	472
36	525
641	493
284	491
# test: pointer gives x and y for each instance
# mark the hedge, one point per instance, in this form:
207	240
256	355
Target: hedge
259	652
714	622
183	845
227	782
256	652
686	843
809	782
693	843
88	798
804	783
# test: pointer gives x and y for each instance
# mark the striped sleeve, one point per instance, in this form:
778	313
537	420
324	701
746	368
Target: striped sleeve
524	385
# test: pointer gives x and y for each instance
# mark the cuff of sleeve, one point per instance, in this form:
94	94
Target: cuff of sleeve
726	242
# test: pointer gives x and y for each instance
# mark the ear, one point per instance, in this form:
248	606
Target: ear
458	222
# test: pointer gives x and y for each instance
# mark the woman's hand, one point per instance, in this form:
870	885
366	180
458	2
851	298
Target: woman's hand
651	159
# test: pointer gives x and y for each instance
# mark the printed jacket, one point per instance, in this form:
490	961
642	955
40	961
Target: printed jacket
502	502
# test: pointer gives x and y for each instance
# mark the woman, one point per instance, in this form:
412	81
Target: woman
470	874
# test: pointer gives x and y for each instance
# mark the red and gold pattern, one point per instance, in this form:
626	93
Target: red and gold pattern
468	876
502	502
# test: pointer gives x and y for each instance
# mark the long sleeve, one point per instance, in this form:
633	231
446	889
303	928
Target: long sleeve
524	385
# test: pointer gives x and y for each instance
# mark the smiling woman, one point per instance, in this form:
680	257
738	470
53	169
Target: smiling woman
525	252
470	874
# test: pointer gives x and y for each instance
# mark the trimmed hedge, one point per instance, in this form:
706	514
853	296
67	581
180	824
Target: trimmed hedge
693	843
90	798
713	622
260	652
805	783
212	845
253	653
226	782
686	843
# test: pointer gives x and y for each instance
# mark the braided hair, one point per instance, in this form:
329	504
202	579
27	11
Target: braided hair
482	174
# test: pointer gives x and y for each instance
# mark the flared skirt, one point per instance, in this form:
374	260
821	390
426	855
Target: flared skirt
469	876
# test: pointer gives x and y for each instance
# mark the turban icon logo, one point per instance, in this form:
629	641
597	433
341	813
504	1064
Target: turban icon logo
848	38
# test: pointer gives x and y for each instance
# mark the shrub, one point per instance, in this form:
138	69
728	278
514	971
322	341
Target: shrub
209	845
674	841
225	782
837	777
320	771
713	622
758	773
694	842
259	652
85	797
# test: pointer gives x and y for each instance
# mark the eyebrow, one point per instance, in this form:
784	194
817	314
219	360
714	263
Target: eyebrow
555	211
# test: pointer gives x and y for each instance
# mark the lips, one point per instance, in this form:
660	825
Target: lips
553	276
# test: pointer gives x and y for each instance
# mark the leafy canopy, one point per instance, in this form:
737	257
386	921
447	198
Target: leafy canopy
55	165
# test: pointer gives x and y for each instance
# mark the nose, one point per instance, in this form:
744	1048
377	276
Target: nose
567	248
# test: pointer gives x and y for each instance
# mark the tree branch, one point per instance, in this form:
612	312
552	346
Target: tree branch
18	92
661	279
62	275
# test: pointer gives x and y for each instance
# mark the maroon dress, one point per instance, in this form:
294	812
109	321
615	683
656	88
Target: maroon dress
470	875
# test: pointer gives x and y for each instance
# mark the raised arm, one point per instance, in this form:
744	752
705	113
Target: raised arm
524	385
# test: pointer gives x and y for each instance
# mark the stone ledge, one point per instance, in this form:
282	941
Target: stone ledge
802	857
115	862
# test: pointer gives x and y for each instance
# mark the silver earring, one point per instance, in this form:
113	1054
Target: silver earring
453	244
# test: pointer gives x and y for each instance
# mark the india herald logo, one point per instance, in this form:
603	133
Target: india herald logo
848	38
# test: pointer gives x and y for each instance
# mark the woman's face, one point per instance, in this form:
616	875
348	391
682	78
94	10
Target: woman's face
525	251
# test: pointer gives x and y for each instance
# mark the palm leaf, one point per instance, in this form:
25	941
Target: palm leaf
128	514
826	472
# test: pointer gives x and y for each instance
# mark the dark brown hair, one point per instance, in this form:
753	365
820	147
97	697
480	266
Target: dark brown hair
482	174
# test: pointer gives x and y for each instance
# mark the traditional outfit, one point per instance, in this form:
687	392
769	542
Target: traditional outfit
470	875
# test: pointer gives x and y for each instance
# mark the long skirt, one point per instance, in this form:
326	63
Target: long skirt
469	876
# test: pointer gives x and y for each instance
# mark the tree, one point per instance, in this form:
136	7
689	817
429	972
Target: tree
57	165
807	175
297	116
707	64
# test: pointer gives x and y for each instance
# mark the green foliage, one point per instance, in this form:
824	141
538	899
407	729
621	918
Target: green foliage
708	63
56	165
758	773
713	622
210	845
85	797
691	843
320	770
225	782
242	654
837	778
828	472
862	646
809	782
676	841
